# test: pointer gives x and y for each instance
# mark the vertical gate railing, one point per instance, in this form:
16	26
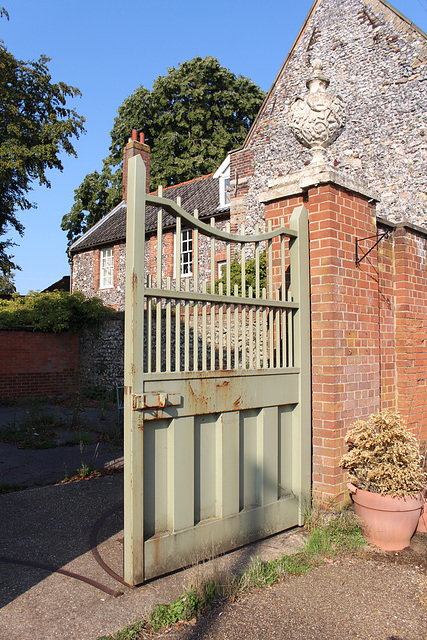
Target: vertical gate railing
197	326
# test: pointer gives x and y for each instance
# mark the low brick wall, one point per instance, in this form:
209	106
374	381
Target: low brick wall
37	364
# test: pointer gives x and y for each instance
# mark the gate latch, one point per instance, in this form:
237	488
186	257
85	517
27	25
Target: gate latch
155	400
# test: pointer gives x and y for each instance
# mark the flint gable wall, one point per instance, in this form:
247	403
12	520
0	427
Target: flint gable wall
377	62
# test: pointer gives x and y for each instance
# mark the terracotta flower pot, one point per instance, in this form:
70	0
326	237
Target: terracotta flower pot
422	523
388	522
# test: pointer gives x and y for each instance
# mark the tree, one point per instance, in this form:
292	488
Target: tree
35	127
7	283
191	118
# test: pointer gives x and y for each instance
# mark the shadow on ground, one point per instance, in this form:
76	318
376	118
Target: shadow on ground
44	530
51	527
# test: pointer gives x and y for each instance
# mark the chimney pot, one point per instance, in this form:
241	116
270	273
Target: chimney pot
131	150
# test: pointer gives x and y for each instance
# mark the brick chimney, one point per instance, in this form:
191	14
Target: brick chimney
134	148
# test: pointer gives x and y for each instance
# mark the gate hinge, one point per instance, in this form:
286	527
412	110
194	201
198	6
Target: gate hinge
155	400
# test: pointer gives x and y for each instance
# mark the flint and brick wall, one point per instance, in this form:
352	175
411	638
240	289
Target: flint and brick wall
37	364
86	268
101	353
369	327
86	276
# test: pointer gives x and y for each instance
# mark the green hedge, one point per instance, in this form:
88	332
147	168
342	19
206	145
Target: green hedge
52	312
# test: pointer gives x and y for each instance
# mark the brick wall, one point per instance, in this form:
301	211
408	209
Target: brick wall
368	321
37	364
344	323
411	325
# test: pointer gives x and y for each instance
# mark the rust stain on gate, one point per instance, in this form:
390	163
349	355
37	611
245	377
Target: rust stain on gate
217	390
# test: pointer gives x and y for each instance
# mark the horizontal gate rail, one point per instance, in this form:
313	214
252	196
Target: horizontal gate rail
175	210
194	296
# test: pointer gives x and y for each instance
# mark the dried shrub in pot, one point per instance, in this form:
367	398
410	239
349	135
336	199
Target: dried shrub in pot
384	457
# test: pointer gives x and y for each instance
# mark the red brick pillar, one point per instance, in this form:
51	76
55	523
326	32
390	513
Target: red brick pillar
345	318
410	283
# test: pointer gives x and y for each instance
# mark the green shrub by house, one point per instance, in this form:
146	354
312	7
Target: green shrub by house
250	275
52	312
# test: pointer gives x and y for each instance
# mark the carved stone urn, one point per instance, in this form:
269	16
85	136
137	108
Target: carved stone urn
318	118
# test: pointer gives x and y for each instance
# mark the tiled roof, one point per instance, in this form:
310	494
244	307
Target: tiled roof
61	285
200	193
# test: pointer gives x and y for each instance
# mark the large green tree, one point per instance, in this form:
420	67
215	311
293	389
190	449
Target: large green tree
7	283
35	127
191	118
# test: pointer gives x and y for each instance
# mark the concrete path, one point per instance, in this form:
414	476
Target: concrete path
54	527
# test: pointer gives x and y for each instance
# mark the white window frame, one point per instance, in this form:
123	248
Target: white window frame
220	264
186	237
106	264
223	176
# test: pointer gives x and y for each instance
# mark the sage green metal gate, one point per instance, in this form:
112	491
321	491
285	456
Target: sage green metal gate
217	389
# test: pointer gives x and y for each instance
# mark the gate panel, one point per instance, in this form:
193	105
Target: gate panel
217	390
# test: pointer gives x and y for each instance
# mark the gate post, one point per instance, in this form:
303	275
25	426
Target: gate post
133	373
301	416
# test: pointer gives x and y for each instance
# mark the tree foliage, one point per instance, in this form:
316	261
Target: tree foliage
7	283
35	127
191	118
54	312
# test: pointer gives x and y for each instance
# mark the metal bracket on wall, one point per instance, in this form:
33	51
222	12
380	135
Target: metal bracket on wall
379	238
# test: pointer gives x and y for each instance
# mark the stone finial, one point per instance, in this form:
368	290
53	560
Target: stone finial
318	118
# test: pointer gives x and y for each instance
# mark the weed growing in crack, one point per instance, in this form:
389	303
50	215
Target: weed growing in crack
333	533
329	534
35	431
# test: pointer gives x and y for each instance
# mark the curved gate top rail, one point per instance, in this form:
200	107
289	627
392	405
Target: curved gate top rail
217	383
175	210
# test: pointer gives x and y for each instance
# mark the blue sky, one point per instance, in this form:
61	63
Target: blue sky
107	49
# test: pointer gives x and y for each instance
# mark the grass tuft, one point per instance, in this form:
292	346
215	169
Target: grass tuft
329	535
35	431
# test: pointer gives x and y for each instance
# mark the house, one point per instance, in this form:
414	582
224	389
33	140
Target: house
61	285
376	60
98	256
